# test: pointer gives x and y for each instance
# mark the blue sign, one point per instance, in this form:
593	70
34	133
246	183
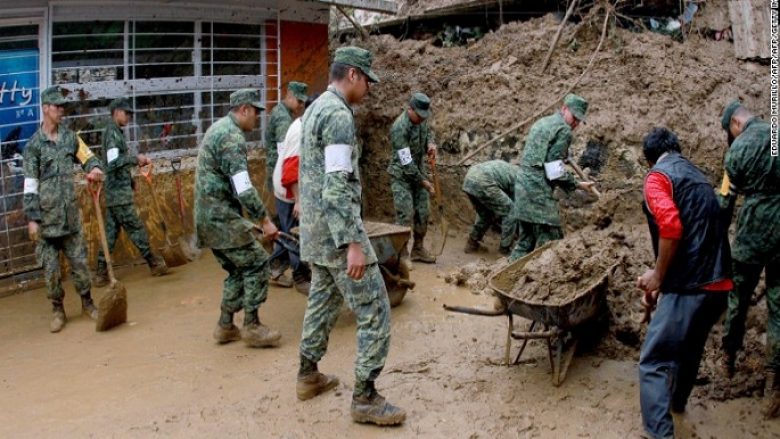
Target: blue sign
19	110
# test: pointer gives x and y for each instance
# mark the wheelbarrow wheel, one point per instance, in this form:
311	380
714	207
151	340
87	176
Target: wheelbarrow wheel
395	291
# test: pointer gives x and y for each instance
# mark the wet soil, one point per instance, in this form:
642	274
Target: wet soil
162	375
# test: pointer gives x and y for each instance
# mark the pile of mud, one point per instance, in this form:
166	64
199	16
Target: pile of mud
565	269
481	90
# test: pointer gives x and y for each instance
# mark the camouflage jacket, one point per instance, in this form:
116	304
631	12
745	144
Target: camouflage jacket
331	194
756	174
223	190
49	187
547	141
493	173
410	148
278	124
119	164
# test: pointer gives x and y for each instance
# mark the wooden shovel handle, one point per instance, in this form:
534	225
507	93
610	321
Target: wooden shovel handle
582	175
146	171
94	188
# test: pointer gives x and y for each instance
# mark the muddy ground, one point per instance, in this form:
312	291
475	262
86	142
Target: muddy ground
161	375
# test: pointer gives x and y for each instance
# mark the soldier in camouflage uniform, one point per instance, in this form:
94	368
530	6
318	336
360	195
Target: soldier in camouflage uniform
754	173
412	139
335	244
223	193
490	187
282	116
541	170
120	210
51	207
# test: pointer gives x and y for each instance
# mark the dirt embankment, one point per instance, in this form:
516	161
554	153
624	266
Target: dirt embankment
639	80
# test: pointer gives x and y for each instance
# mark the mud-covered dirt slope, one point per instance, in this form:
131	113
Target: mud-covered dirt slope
639	80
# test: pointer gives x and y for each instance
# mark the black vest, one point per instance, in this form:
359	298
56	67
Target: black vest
703	253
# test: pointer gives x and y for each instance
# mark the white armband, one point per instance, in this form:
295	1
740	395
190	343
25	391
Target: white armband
241	182
112	154
30	185
405	156
554	170
338	157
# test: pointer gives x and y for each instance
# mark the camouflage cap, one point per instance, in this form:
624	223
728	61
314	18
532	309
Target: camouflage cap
299	90
248	96
421	104
120	104
728	112
357	57
577	105
53	96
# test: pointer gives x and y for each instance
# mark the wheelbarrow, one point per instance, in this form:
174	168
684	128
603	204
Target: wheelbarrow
557	324
387	240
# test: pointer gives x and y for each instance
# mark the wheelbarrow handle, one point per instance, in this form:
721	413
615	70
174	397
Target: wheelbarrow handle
146	171
176	164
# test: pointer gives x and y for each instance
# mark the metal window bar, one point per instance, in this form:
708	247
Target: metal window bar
17	253
167	118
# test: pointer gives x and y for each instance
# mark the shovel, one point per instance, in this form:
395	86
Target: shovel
112	307
581	174
173	254
438	247
188	244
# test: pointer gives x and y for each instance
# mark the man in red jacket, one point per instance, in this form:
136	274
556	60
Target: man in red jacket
691	276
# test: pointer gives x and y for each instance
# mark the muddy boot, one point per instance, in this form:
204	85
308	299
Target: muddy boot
311	382
728	365
58	318
257	335
773	396
303	287
472	246
101	276
280	279
88	307
371	407
157	265
226	331
419	253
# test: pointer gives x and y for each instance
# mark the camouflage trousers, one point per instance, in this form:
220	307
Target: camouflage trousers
411	206
48	254
367	298
746	277
491	207
125	217
246	285
534	235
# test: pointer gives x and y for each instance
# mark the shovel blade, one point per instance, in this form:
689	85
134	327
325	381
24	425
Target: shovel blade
112	308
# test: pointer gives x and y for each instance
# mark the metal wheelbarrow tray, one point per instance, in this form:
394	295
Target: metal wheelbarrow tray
551	322
388	241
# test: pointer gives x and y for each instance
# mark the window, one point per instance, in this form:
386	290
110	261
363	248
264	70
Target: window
179	74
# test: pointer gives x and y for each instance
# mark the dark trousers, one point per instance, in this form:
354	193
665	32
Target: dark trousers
671	354
281	255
